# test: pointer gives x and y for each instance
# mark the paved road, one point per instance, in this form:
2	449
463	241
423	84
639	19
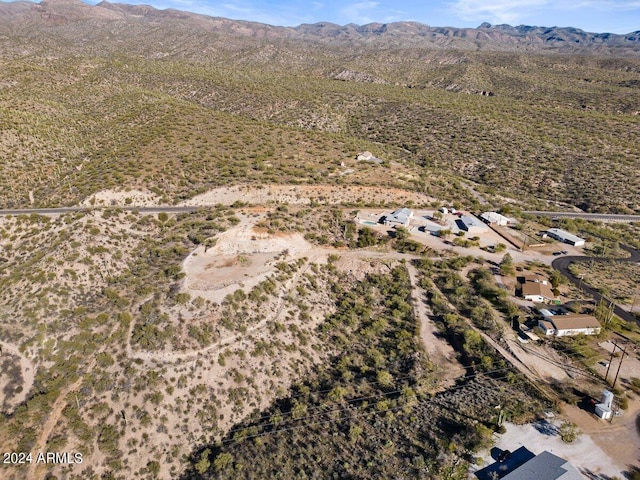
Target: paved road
603	217
562	265
62	210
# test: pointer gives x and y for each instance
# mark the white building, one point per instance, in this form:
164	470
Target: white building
537	292
400	217
570	324
367	156
565	237
494	218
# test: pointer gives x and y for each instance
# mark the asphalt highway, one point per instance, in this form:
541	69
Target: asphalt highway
63	210
603	217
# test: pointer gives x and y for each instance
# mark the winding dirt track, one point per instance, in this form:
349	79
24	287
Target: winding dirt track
50	423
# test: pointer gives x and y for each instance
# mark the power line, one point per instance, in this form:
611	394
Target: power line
566	351
372	397
434	400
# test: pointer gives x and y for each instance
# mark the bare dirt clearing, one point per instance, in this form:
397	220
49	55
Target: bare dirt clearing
440	352
305	195
122	198
241	258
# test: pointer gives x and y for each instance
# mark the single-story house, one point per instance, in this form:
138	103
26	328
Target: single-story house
569	324
545	466
565	237
537	292
523	464
400	217
575	324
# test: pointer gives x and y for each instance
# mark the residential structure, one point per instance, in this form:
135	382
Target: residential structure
400	217
535	288
565	237
522	464
545	466
569	324
537	292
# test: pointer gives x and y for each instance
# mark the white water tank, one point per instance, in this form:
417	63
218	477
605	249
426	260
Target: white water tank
607	399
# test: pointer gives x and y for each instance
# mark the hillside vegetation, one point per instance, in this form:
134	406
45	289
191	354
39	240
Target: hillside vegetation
215	106
270	333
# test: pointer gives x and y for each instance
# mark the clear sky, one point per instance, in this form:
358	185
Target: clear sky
613	16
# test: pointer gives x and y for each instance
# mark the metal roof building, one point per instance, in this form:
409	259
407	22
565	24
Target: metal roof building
566	237
523	464
470	224
494	218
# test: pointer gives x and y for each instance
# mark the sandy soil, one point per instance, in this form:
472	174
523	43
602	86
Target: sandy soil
242	258
304	194
122	198
630	367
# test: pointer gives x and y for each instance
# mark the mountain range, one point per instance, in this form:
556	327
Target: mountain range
58	15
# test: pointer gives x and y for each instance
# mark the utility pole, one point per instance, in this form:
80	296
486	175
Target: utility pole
615	345
624	352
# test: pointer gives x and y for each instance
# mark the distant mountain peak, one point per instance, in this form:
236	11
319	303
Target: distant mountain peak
45	3
54	13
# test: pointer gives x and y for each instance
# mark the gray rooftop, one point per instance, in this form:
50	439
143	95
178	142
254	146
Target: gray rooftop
558	232
401	216
545	466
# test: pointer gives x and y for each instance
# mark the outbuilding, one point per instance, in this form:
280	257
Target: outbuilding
470	224
494	218
565	237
